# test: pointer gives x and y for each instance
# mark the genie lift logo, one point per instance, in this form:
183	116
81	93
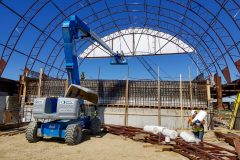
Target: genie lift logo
66	102
38	101
52	126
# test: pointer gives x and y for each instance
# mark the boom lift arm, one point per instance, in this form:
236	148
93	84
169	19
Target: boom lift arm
71	30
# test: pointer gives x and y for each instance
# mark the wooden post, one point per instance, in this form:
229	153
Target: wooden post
66	86
20	90
190	86
24	88
218	82
210	109
180	89
126	102
23	97
40	82
208	91
159	100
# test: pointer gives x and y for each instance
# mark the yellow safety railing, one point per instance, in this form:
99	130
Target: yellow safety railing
234	112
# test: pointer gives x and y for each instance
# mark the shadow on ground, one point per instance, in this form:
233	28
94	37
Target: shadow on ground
86	136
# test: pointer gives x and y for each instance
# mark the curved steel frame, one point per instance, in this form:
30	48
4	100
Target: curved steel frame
214	44
122	19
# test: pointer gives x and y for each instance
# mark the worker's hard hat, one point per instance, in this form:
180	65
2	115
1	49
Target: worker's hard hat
193	112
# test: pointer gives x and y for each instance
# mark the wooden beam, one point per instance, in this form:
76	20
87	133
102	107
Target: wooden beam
180	90
190	86
159	100
218	82
126	102
40	82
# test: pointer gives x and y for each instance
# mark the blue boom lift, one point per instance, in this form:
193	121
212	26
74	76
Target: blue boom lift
64	117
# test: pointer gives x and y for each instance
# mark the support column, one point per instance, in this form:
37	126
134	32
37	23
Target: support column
159	100
181	106
218	82
210	108
126	102
40	82
66	86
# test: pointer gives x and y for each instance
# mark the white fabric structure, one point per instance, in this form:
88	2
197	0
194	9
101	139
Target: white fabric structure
139	41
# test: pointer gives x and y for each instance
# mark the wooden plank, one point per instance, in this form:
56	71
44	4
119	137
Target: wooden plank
159	100
126	105
11	126
40	82
190	87
13	132
180	90
218	82
163	148
66	87
237	146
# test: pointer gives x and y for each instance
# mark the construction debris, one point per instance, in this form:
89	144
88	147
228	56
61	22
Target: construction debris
203	151
13	131
4	127
162	148
230	138
192	151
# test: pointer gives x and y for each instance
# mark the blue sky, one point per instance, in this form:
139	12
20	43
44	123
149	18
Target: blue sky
170	68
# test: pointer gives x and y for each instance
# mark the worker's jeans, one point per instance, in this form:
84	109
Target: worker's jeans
199	134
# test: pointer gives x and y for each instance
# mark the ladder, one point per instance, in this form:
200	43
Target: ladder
234	112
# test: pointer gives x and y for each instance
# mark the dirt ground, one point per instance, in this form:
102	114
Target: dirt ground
104	147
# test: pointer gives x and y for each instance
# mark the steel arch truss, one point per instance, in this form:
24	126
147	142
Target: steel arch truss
211	29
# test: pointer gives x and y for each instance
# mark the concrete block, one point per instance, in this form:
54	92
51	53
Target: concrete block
139	117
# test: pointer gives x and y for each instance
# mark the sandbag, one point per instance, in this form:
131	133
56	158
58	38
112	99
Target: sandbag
187	136
157	129
171	133
200	116
148	128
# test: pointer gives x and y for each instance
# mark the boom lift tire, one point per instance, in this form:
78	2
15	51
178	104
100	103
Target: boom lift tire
31	132
95	125
73	134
